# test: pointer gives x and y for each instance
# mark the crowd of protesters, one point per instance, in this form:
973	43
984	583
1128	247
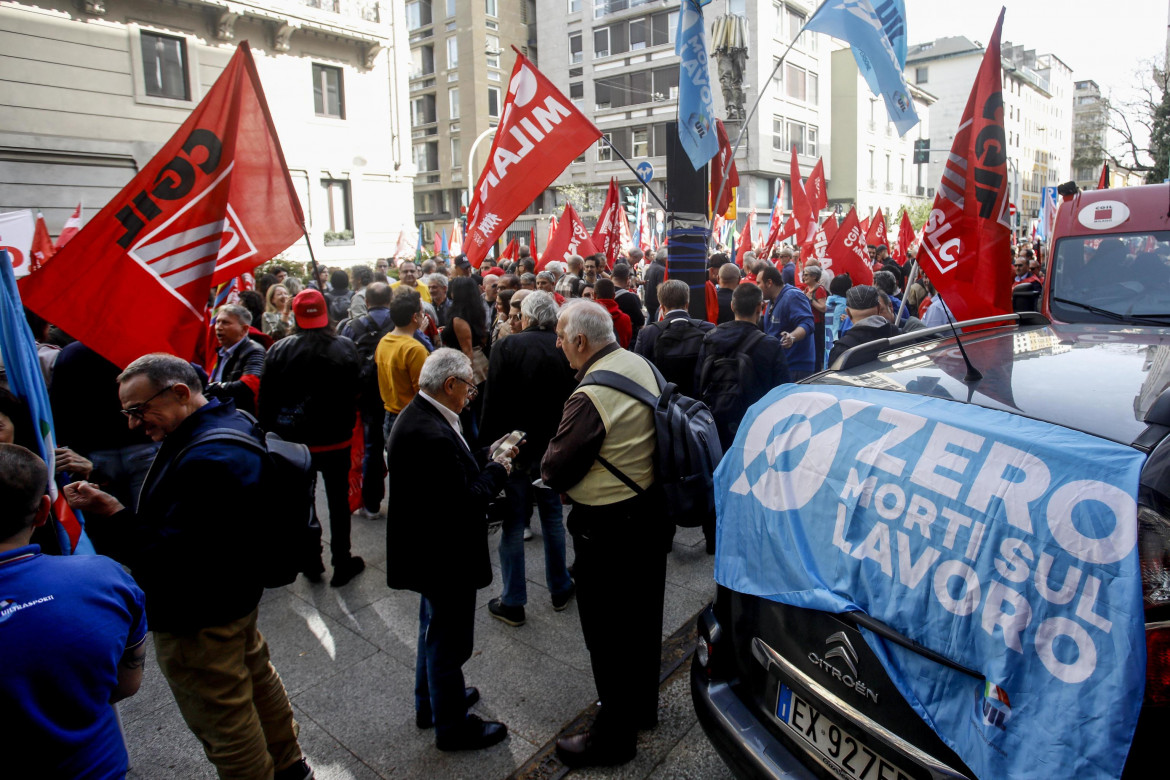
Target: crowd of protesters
425	362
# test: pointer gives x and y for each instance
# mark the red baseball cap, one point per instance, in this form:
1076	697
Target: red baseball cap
310	310
494	271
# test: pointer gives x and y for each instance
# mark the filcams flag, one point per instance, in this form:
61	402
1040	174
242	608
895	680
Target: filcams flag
540	133
856	23
967	238
696	111
216	201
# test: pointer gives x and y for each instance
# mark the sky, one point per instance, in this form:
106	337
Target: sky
1103	41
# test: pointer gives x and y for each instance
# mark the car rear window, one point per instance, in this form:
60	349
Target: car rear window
1111	278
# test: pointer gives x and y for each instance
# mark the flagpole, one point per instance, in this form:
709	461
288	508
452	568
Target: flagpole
312	258
910	280
635	172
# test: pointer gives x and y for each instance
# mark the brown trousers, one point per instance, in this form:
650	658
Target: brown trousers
231	698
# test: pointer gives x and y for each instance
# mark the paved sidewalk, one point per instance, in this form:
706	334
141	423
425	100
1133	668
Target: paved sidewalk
347	655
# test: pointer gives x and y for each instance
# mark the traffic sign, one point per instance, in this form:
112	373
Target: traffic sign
645	172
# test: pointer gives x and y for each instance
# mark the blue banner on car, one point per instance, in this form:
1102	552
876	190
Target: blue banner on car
1006	544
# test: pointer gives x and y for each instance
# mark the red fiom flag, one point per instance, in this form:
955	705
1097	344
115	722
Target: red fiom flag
42	245
72	227
967	238
216	201
815	188
717	167
540	133
905	239
846	253
607	235
570	238
875	235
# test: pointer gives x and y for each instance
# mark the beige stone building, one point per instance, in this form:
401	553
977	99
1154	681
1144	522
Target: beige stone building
90	90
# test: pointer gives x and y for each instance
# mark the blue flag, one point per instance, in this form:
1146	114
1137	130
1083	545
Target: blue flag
856	22
892	14
1005	544
25	380
696	112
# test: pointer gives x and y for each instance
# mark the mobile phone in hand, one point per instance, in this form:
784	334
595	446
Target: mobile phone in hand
510	441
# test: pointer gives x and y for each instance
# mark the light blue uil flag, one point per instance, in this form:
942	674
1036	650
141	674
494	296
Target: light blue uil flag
1003	543
892	15
696	112
857	23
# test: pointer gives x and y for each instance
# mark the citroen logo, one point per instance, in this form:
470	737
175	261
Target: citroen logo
843	649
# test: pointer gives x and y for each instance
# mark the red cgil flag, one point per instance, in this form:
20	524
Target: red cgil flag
570	238
1103	179
905	239
540	133
42	245
802	212
846	253
717	167
72	228
876	233
216	201
815	188
607	235
967	238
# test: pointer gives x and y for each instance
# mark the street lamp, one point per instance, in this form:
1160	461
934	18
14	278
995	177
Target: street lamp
471	178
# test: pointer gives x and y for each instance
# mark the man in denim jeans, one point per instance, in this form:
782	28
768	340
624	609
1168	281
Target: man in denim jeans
525	360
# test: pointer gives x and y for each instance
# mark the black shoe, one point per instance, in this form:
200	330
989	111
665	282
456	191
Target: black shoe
561	602
513	616
474	734
581	750
425	720
346	570
711	546
298	771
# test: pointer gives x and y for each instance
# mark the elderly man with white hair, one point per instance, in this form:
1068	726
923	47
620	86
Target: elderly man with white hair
443	556
602	456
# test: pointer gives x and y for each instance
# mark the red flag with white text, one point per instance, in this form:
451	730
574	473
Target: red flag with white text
802	212
607	235
967	239
815	188
717	166
830	226
570	238
42	245
877	234
216	201
540	133
846	253
72	228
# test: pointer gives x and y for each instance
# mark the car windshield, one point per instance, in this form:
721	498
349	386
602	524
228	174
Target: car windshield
1112	278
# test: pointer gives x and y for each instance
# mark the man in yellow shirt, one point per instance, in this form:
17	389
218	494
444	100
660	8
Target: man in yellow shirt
400	356
408	277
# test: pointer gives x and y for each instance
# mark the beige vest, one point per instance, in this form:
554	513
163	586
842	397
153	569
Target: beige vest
629	433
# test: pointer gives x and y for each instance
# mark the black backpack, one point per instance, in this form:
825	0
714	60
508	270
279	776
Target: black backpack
687	447
676	351
339	304
727	383
288	534
366	336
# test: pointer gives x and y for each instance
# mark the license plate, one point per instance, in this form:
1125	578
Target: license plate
843	753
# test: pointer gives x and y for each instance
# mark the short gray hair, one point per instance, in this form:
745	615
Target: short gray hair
237	311
586	318
441	365
540	308
436	278
546	275
556	268
163	370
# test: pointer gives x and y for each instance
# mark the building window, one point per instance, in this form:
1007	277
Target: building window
494	101
577	93
604	152
795	77
920	75
328	93
422	61
641	142
424	202
779	141
493	51
452	52
574	6
426	156
450	8
601	42
456	153
337	199
795	22
813	88
777	75
422	110
164	66
453	103
418	14
803	137
491	8
574	48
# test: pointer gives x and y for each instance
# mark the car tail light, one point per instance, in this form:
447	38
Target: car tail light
1158	665
710	637
1154	552
703	653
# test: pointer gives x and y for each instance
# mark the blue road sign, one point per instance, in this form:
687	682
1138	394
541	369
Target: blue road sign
645	172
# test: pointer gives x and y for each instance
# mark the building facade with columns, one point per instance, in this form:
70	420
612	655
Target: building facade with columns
90	90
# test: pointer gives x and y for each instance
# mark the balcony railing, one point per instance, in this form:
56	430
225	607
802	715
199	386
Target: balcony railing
357	9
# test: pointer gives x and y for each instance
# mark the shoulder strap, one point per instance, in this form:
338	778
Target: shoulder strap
624	384
621	475
753	338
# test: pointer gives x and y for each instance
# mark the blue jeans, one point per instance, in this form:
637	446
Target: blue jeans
125	468
374	460
518	489
446	631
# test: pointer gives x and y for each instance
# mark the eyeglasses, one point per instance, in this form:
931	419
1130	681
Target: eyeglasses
472	390
138	411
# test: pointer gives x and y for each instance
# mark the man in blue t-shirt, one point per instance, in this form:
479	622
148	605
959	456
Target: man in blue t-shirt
789	318
71	641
